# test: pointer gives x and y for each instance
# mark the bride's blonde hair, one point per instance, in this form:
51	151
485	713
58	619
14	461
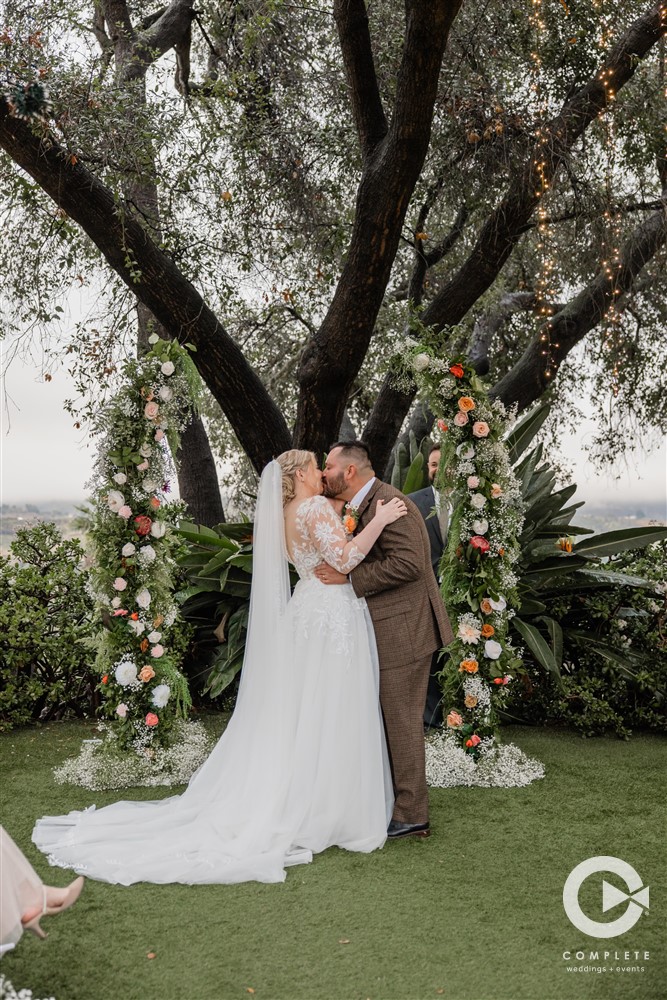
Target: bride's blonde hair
289	462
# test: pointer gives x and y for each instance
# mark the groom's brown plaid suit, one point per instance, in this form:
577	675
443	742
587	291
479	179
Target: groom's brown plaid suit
410	622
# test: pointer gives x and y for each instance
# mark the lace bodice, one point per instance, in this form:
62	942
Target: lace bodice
322	538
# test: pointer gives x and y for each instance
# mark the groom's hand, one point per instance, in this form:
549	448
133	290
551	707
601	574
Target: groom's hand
327	574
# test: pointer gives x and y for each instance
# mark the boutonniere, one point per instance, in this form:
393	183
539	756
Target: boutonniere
350	518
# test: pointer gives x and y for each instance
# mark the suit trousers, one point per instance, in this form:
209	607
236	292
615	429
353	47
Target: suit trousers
402	697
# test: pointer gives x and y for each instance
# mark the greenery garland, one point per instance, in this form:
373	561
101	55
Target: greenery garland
478	581
132	564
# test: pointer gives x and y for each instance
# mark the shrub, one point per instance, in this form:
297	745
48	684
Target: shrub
45	629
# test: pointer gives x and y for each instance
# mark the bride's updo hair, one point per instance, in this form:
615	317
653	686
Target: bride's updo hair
289	462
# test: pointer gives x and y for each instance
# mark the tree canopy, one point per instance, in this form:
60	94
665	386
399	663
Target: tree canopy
293	188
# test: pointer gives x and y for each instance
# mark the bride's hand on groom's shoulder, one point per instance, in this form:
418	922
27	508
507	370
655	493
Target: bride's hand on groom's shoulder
390	511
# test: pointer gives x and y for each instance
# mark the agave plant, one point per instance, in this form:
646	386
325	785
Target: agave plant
557	561
410	471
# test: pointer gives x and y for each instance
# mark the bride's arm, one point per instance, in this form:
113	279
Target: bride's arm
327	532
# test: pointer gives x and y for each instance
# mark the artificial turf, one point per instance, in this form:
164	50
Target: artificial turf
473	913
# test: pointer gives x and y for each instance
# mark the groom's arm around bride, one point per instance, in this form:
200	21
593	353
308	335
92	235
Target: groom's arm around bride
409	619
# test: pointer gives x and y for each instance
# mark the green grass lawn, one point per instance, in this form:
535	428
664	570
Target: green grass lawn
473	913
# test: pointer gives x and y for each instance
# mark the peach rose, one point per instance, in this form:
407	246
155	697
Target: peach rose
488	631
469	666
146	674
155	503
151	411
460	419
442	426
496	491
470	701
485	606
480	429
466	403
454	720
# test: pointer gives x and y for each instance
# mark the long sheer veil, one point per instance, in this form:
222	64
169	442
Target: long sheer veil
270	590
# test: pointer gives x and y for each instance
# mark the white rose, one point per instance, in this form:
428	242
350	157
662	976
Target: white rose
492	649
128	549
481	527
161	695
478	500
498	605
120	478
165	394
465	451
144	598
149	485
116	602
421	362
158	529
153	339
154	636
137	627
147	554
168	368
146	450
126	673
116	500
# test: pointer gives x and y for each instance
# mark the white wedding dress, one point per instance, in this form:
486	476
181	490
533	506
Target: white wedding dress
302	764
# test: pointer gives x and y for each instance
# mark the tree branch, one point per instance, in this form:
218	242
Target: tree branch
355	43
505	224
157	283
335	354
528	379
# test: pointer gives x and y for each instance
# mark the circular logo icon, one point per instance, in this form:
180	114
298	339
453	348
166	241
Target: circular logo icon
636	897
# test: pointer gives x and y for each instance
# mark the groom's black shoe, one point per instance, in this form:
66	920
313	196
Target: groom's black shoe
397	829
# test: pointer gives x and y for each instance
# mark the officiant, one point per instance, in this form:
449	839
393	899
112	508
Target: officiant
435	510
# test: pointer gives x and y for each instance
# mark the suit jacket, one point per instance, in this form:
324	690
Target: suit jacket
424	500
399	586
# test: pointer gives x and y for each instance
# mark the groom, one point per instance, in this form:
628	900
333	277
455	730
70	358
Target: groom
408	615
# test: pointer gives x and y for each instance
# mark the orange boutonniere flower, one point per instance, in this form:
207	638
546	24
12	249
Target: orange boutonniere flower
350	518
466	403
457	371
488	631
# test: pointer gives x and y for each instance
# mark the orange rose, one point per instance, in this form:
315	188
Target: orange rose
155	503
469	666
454	720
470	701
457	371
135	616
146	674
488	631
501	551
466	403
485	606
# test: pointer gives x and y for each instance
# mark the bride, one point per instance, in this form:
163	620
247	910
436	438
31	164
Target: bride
302	764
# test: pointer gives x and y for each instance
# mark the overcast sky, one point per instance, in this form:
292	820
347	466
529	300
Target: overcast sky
43	457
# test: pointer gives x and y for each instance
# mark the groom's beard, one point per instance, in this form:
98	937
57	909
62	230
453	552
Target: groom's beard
334	486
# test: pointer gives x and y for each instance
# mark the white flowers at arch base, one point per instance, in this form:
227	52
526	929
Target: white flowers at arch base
145	697
478	581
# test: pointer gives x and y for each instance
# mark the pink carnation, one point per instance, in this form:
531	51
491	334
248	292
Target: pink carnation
125	512
473	482
157	651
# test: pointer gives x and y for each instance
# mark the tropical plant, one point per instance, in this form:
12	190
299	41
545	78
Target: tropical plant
45	629
218	567
557	572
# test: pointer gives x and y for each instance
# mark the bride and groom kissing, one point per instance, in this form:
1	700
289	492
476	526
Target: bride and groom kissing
325	746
